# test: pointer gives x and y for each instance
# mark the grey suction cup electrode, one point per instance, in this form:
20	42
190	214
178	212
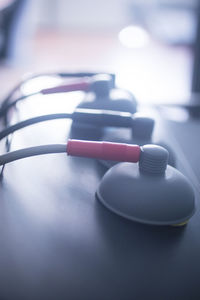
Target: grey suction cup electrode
141	134
150	192
104	96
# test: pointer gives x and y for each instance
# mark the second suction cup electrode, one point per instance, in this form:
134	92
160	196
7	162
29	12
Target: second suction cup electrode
103	96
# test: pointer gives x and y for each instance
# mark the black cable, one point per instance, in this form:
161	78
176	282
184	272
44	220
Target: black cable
6	106
32	121
94	117
32	151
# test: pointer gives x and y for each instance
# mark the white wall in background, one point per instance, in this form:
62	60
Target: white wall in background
97	14
89	14
81	14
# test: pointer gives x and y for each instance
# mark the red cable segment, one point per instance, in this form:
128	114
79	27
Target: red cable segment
104	150
99	150
69	87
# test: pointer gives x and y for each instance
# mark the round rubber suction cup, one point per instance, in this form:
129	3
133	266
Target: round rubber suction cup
150	192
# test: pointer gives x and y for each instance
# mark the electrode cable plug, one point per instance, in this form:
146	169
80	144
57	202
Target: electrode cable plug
150	192
90	149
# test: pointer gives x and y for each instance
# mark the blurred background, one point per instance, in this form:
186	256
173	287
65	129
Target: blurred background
150	44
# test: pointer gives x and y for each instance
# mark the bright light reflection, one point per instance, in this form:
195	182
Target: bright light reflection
133	37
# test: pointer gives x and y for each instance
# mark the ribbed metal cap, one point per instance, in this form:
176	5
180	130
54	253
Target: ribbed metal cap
153	159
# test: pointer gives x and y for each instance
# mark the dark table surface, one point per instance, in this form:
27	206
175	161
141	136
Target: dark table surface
58	242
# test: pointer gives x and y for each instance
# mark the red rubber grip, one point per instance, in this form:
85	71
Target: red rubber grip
104	150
